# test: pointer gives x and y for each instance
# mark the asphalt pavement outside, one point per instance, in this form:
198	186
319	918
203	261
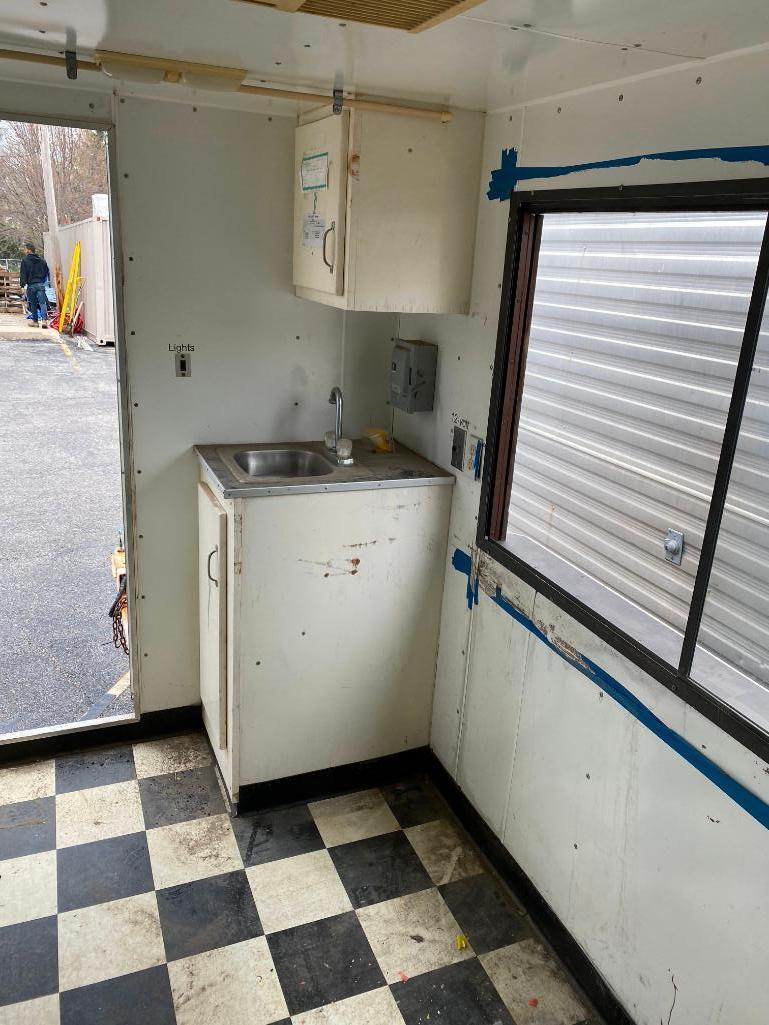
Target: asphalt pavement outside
60	519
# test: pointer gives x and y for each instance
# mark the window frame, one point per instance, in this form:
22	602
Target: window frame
524	232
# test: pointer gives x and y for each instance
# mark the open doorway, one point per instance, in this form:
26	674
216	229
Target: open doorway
64	634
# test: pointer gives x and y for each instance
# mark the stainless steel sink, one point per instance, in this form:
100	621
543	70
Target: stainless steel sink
282	462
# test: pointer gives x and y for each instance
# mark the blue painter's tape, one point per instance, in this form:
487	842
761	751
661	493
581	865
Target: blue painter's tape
478	461
463	563
754	806
506	177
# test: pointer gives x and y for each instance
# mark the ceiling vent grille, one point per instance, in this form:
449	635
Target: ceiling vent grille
414	16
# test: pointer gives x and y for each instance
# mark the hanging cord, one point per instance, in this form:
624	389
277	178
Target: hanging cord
116	615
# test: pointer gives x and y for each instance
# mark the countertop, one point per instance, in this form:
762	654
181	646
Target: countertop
371	470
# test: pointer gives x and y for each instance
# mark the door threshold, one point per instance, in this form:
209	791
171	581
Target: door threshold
117	729
64	729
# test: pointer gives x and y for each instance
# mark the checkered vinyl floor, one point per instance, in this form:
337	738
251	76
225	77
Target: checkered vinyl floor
128	895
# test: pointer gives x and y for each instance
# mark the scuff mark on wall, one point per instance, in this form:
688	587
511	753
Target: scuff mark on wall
672	1006
238	554
491	581
487	578
749	802
335	567
568	651
506	177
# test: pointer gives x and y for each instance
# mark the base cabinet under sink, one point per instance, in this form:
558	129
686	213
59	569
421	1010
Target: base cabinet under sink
331	627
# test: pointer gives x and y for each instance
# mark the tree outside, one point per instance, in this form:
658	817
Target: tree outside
79	159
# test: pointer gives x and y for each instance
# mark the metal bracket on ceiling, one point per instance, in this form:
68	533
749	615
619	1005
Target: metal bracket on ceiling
70	62
338	101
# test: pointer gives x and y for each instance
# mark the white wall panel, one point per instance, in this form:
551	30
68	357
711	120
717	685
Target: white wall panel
491	710
667	112
669	874
568	809
365	371
206	199
698	868
652	868
451	665
77	102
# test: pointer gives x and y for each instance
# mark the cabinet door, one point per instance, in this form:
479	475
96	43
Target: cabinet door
320	200
212	592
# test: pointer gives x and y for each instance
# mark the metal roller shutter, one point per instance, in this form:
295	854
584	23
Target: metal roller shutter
636	330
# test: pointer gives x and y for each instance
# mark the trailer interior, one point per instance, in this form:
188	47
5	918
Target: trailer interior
438	353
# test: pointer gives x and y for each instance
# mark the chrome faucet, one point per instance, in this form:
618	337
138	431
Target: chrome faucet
335	399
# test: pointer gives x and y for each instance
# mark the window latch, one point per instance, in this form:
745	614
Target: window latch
674	546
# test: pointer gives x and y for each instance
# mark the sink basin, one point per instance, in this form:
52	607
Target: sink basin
282	462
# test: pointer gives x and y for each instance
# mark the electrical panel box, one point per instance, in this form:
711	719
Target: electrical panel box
412	376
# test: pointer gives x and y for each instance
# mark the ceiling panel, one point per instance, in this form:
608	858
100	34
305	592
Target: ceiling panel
475	60
691	28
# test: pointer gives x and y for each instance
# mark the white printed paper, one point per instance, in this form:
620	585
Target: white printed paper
313	230
314	172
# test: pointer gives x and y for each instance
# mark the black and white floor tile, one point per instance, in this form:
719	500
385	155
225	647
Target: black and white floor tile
128	894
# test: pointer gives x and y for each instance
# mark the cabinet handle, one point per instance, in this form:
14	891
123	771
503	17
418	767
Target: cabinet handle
213	580
326	233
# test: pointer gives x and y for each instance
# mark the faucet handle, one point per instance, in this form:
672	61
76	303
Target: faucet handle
344	448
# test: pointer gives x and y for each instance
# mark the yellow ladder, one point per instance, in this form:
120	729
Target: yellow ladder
68	306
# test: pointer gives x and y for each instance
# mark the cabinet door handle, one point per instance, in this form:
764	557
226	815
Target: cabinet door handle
326	233
213	580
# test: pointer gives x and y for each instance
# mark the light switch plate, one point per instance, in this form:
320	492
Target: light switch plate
183	364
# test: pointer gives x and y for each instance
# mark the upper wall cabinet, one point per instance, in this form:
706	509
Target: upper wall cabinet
320	204
385	211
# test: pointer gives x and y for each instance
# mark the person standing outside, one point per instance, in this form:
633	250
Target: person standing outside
34	274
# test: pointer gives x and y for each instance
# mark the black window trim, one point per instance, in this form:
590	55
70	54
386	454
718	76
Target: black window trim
517	291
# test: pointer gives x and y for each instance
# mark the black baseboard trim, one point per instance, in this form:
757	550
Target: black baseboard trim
149	726
330	782
540	912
